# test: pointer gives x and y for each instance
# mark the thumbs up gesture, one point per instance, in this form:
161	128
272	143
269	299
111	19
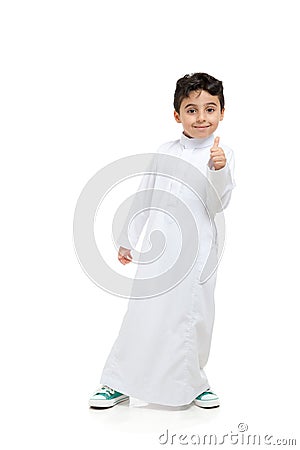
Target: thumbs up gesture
217	155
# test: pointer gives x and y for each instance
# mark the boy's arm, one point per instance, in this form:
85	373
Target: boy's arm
220	183
139	202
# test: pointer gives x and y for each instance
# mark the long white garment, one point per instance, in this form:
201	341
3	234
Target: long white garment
164	341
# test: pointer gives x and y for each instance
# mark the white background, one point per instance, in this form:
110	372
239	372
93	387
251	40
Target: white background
84	83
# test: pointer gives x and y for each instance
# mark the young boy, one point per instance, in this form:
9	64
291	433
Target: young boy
164	342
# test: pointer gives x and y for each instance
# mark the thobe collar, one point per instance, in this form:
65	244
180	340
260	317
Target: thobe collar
192	143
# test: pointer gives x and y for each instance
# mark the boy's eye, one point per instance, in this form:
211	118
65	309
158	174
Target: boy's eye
210	110
192	110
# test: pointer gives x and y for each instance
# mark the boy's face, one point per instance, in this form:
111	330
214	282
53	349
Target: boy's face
200	114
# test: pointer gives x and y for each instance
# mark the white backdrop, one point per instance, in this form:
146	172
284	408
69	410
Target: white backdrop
84	83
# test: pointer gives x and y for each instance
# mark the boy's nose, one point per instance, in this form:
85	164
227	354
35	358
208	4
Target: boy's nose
200	117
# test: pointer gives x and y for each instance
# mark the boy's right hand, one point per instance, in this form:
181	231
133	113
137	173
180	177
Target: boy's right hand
124	255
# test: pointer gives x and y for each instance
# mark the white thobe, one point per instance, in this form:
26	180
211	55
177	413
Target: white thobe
164	341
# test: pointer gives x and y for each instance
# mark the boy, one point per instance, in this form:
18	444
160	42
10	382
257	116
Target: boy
164	343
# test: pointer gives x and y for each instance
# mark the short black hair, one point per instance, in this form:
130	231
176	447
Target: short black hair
196	82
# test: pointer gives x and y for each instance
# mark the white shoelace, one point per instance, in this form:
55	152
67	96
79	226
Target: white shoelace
106	389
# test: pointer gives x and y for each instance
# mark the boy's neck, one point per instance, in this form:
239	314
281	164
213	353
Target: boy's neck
198	139
188	142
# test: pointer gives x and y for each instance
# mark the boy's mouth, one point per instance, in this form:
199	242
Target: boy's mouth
203	126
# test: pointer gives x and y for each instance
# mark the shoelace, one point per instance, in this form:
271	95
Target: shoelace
106	389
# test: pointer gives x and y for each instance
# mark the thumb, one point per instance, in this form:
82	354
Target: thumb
216	142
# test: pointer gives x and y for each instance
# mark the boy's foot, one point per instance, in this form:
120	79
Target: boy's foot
104	397
207	400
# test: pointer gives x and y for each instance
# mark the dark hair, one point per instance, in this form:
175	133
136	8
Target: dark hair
195	82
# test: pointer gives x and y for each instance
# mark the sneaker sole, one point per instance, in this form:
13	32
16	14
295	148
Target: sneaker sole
207	404
107	403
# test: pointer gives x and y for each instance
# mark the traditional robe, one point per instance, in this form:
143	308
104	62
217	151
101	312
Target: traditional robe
164	340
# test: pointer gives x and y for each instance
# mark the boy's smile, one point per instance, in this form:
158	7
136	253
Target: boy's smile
200	114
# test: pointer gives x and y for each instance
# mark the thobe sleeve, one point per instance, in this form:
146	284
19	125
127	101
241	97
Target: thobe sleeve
132	229
220	183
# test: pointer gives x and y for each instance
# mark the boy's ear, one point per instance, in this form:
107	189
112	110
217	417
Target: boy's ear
177	117
222	114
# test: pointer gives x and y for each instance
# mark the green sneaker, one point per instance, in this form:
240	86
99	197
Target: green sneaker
104	397
207	400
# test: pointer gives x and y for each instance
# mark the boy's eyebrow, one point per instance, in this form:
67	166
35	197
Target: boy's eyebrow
205	104
190	104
